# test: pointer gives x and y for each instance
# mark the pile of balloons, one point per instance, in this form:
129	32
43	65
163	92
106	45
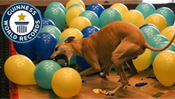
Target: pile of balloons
74	19
65	82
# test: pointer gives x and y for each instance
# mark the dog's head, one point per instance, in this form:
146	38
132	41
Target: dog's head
63	50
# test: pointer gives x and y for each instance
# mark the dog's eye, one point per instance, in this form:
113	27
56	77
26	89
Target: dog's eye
56	48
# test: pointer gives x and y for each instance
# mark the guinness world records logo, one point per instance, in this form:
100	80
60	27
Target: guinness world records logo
21	22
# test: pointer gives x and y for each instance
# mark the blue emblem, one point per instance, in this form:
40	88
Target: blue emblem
21	22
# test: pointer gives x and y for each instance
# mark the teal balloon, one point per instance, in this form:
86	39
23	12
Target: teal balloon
44	72
75	5
146	9
156	40
57	15
149	31
73	58
161	45
57	4
92	16
51	29
167	13
109	15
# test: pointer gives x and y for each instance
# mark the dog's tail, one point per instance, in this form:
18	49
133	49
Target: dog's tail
160	49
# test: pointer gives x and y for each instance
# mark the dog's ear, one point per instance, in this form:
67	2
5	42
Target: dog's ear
69	39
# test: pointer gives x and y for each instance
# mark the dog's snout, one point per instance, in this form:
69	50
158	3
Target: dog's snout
50	58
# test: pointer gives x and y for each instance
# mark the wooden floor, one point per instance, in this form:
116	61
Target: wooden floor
152	90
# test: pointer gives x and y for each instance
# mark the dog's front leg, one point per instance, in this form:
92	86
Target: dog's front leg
95	67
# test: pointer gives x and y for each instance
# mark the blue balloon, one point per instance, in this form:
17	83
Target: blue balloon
47	21
44	72
82	63
26	49
90	29
145	25
44	45
97	8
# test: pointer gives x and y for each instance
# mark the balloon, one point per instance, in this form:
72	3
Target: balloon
44	45
53	30
146	9
57	15
134	17
167	13
71	2
162	44
82	63
20	70
97	8
108	16
152	25
158	20
71	32
47	21
143	61
72	13
72	60
91	16
57	4
163	67
80	23
169	35
44	72
75	5
90	29
168	29
26	49
120	7
156	40
66	82
149	31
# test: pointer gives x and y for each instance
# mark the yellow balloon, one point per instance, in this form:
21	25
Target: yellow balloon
143	61
134	17
158	20
80	23
66	82
120	7
169	33
20	70
164	67
72	13
71	32
71	2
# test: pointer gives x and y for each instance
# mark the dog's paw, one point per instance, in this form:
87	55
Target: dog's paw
110	93
102	75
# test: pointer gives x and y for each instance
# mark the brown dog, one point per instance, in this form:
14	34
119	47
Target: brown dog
116	43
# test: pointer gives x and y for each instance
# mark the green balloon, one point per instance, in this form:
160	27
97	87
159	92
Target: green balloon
53	30
167	13
156	40
149	31
92	16
108	16
57	15
146	9
75	5
57	4
161	45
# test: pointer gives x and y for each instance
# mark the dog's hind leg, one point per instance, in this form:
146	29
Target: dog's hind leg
133	69
106	71
121	55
